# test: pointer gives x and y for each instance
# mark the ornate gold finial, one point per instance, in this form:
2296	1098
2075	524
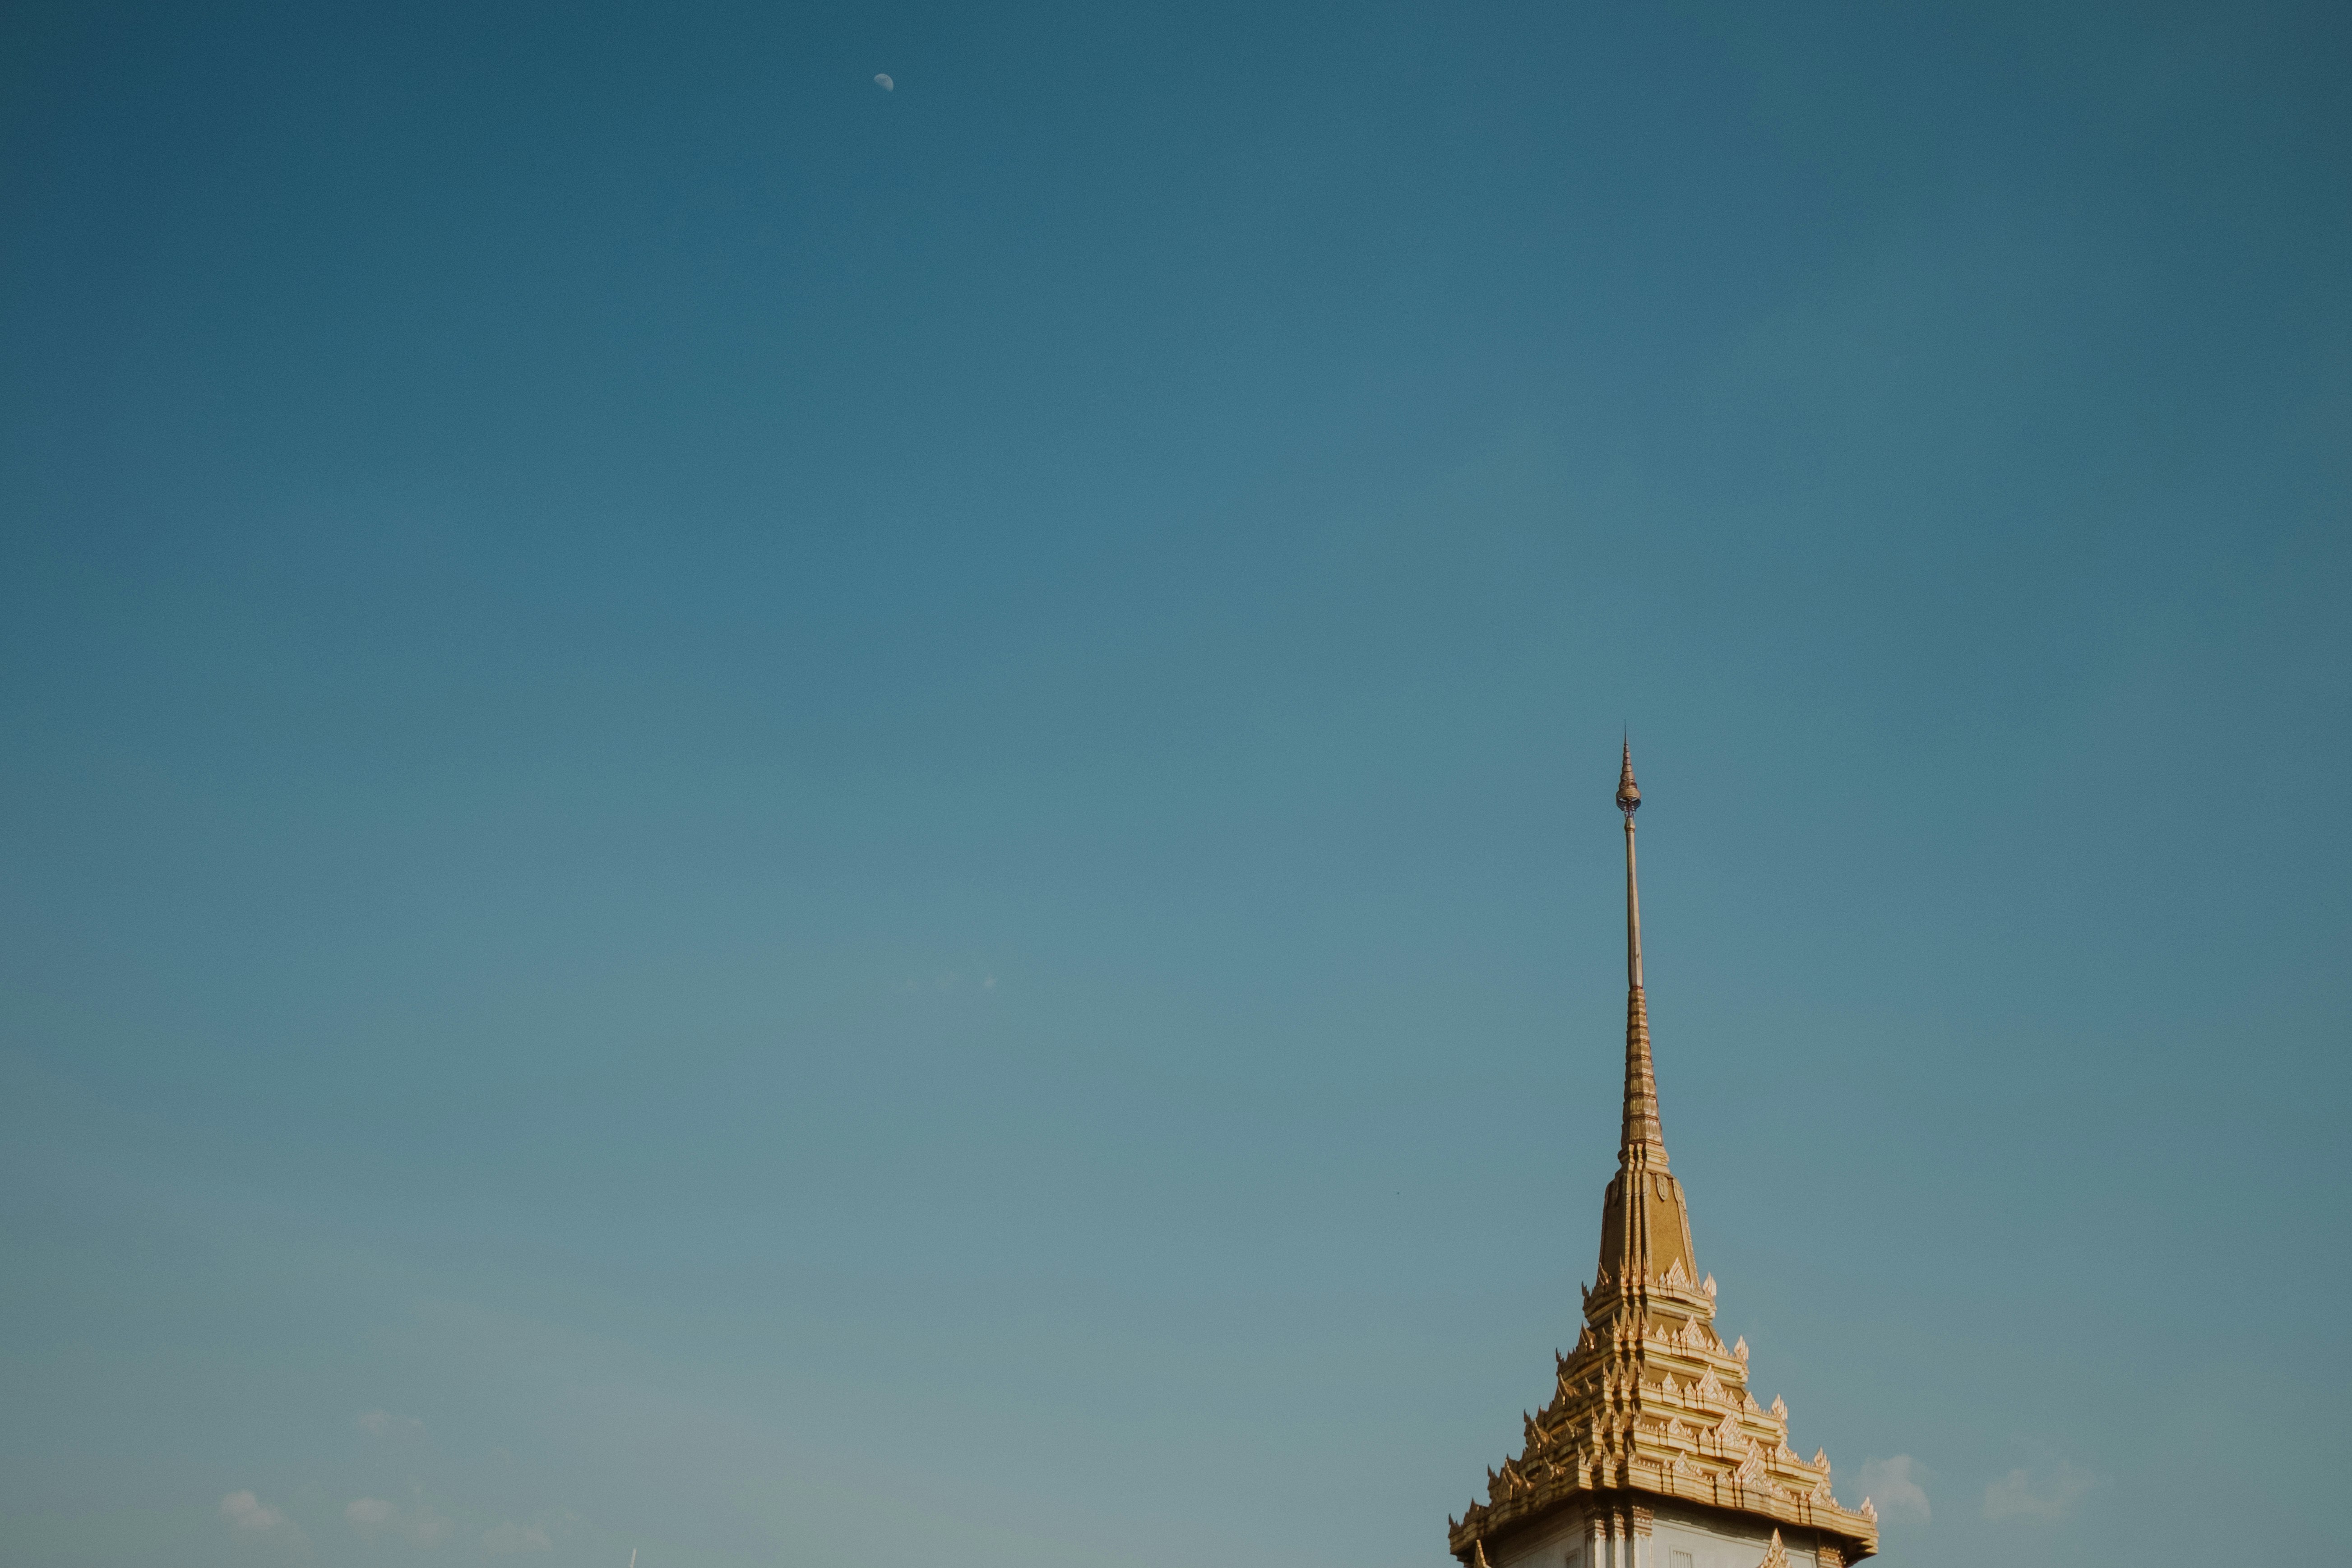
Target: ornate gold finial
1644	1228
1641	1084
1629	801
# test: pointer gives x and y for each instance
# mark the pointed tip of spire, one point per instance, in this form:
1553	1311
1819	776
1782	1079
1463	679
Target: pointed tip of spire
1629	794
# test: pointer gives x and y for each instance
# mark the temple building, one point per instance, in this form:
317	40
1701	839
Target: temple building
1651	1453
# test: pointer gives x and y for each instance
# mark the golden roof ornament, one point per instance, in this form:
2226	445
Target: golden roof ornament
1650	1403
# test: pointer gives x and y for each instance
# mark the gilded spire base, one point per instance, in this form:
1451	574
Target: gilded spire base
1651	1401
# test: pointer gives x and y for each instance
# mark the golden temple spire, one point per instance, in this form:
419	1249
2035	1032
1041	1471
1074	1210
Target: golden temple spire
1651	1404
1642	1129
1644	1225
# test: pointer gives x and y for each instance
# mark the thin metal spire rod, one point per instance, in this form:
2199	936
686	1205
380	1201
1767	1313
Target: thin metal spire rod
1633	912
1629	801
1644	1143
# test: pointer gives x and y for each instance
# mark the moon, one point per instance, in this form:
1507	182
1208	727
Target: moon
882	80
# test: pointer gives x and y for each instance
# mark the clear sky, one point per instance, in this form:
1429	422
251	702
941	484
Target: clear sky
786	823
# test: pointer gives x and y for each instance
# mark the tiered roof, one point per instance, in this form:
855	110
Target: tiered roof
1650	1401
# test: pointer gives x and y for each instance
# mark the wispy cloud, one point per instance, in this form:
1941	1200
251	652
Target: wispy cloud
253	1519
512	1537
385	1424
1894	1488
2021	1494
418	1524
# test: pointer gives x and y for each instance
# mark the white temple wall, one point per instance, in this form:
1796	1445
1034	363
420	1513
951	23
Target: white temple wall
1546	1547
1699	1541
1679	1537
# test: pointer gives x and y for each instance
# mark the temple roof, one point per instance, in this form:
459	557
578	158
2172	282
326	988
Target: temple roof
1650	1400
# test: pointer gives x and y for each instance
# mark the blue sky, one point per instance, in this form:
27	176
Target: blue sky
785	824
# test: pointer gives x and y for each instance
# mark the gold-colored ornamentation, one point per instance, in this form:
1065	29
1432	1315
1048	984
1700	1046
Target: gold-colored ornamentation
1647	1352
